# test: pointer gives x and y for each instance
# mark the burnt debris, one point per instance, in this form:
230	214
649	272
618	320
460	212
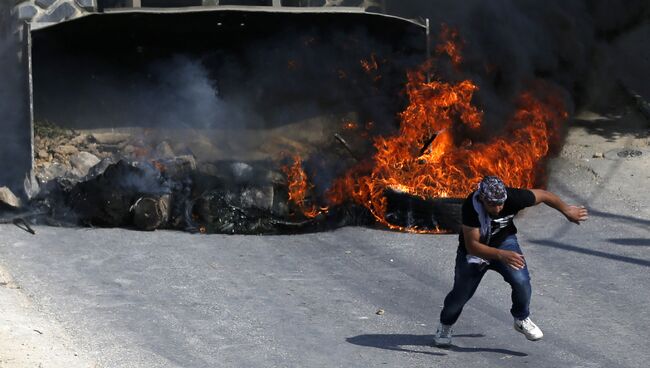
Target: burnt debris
409	211
241	198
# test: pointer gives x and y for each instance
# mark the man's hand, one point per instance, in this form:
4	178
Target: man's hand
512	259
576	214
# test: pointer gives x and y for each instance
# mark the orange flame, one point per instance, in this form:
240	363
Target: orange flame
426	158
350	125
299	187
450	44
429	156
370	65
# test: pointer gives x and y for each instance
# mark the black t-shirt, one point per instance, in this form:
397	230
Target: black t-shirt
502	224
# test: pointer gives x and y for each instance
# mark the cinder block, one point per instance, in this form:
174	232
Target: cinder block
61	13
45	3
26	11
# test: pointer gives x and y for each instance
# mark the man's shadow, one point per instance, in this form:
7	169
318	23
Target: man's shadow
398	342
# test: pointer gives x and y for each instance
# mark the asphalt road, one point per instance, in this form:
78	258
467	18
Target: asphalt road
171	299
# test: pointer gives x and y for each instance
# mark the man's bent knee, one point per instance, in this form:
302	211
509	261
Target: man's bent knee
519	280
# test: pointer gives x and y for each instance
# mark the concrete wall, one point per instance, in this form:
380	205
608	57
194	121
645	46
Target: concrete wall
15	122
44	12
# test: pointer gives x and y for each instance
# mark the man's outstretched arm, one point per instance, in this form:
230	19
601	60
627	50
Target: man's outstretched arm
575	214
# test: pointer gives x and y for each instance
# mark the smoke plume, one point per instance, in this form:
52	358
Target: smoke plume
509	43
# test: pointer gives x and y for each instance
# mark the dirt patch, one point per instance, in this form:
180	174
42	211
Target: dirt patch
608	159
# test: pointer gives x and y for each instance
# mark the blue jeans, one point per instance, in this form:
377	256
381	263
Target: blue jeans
468	276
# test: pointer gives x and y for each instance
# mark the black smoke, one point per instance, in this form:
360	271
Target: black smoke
509	43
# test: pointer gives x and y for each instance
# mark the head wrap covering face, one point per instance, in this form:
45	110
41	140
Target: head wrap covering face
492	190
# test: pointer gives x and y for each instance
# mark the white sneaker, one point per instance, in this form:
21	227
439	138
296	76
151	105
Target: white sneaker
443	335
529	329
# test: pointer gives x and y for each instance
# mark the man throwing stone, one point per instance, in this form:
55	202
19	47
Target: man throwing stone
488	242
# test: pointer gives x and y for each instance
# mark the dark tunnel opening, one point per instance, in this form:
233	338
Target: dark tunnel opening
104	70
